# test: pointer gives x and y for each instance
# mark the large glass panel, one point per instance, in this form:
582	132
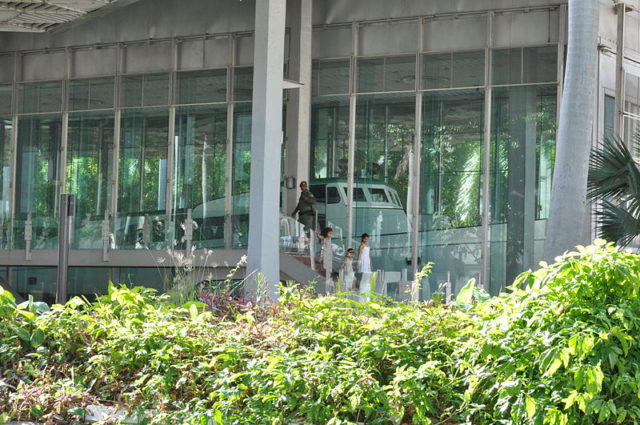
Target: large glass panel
386	74
609	116
40	97
451	186
200	172
457	69
142	184
91	94
507	66
5	99
385	135
241	172
6	136
540	64
150	277
202	86
88	282
242	84
523	154
330	136
631	108
37	187
89	174
39	282
144	90
330	77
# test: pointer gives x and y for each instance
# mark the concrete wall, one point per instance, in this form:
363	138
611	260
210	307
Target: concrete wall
152	19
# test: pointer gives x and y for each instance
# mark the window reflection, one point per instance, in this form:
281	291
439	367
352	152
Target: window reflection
451	181
142	179
200	173
523	155
89	174
37	188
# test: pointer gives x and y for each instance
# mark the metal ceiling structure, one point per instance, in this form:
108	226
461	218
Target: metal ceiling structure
44	15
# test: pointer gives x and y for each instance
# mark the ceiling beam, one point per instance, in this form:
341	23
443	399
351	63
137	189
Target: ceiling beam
15	27
34	8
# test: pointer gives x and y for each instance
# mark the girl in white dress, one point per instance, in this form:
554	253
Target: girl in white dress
364	257
347	274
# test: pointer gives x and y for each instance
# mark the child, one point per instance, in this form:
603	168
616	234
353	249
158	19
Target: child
326	252
364	256
346	270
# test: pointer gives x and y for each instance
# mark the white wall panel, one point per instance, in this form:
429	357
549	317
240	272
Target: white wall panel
388	38
140	58
203	53
336	11
462	33
244	50
43	66
331	42
526	28
93	62
6	68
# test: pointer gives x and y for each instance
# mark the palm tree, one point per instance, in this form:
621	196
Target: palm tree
614	181
567	212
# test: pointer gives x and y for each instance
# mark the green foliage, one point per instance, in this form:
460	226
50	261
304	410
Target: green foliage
562	347
614	181
325	360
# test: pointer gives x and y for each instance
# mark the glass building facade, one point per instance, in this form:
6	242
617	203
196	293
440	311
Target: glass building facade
447	142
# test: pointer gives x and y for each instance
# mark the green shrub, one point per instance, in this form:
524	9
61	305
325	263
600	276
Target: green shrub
562	347
325	360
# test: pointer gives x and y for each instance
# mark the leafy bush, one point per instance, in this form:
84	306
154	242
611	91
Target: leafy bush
562	347
325	360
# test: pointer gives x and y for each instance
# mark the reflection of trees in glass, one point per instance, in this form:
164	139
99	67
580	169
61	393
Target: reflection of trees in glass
522	115
143	156
88	170
38	141
6	131
330	135
201	159
385	129
241	149
452	158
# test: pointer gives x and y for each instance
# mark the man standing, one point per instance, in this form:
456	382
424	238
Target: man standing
305	207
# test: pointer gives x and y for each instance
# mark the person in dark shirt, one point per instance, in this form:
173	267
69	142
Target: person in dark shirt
306	207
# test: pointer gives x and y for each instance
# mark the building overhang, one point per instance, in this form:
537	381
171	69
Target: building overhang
44	15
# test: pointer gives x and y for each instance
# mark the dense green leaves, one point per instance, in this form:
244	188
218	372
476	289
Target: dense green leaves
562	347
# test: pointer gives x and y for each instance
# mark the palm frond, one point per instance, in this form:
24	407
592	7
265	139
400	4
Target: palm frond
613	173
617	224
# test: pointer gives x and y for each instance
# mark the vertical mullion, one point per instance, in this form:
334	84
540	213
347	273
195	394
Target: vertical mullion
228	197
620	72
17	61
171	147
560	65
417	150
62	174
486	168
352	131
117	135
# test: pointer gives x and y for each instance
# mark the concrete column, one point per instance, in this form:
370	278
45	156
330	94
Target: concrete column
298	141
266	139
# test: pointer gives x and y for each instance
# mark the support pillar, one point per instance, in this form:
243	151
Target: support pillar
298	141
266	138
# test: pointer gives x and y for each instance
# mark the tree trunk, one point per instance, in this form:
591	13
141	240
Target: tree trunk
567	214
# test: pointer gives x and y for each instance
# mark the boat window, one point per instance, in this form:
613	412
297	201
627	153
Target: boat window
378	195
333	197
318	192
